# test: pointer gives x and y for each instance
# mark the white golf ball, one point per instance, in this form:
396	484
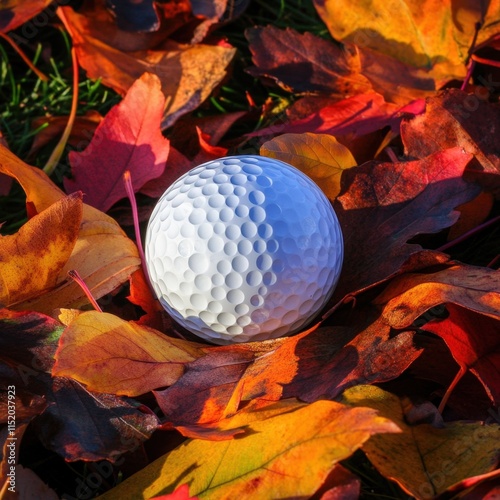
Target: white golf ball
243	248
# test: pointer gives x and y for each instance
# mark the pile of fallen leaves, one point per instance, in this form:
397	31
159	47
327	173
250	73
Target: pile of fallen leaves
396	119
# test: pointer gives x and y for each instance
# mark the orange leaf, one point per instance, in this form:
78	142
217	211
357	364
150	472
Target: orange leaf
409	296
111	355
319	156
188	73
31	260
103	255
16	12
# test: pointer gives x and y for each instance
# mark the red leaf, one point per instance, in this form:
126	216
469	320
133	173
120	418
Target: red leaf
355	116
181	493
129	138
474	341
383	205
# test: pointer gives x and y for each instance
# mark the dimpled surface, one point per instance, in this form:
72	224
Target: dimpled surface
243	248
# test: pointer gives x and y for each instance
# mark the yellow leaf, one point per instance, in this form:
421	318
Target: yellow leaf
432	35
111	355
103	255
425	460
320	156
31	259
287	451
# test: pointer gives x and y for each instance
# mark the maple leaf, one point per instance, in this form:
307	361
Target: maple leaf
188	73
262	462
207	383
304	62
85	425
129	138
346	119
383	205
425	460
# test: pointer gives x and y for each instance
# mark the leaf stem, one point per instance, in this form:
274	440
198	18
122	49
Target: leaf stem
468	234
24	57
73	274
452	386
127	180
52	162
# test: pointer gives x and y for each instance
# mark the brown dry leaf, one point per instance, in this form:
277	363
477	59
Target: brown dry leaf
188	73
109	354
315	364
31	260
407	297
304	62
103	255
383	205
455	118
288	449
319	156
425	460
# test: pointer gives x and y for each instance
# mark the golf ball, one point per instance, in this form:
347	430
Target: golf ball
243	248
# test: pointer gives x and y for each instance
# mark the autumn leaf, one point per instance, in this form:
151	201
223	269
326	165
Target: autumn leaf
113	258
304	62
263	462
188	73
16	12
431	35
128	138
68	418
109	354
409	296
315	364
31	260
474	341
319	156
456	118
383	205
84	425
425	460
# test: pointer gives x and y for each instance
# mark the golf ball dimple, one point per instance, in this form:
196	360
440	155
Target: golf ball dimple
243	248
